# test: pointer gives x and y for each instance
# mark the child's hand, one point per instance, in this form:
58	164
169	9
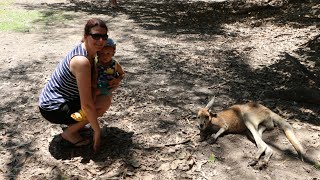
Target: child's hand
114	82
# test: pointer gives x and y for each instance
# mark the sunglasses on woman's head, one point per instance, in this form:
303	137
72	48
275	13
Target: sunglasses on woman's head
98	36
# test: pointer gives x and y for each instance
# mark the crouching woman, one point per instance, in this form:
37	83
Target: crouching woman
70	88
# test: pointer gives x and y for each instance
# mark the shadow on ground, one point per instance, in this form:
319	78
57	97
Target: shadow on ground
115	143
191	17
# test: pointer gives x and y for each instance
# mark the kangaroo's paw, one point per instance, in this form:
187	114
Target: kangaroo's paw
212	140
253	162
203	136
302	156
258	165
267	156
262	165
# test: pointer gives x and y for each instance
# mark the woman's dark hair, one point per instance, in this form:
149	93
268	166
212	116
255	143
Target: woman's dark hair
91	23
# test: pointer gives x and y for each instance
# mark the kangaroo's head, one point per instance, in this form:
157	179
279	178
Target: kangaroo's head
205	115
205	119
206	123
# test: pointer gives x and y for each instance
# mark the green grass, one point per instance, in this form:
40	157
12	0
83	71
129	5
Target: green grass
14	19
6	2
17	20
317	165
21	20
212	158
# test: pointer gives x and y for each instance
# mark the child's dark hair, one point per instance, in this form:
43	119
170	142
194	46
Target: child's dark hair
91	23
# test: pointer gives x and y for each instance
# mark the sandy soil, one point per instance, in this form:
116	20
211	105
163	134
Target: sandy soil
177	55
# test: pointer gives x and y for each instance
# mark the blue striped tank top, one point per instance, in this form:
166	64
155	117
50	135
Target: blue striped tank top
62	85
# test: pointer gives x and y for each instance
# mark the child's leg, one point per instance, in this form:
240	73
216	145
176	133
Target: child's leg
103	97
103	103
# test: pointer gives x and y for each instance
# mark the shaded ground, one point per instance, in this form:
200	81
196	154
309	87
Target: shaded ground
177	55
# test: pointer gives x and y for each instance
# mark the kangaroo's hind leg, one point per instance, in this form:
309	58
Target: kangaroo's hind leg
287	129
262	146
267	124
268	151
261	129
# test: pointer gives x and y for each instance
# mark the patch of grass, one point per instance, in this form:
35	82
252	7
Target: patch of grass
317	165
17	20
6	3
21	20
212	158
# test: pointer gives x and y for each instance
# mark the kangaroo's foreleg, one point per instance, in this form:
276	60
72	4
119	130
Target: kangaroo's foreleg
216	135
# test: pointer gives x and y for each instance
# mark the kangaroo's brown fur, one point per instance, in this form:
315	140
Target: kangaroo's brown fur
253	117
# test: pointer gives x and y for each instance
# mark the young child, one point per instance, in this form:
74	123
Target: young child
108	72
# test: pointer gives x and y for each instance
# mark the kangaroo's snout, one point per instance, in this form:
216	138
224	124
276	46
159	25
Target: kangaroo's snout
200	126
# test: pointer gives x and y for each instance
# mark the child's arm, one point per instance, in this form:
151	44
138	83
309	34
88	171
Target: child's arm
114	83
120	71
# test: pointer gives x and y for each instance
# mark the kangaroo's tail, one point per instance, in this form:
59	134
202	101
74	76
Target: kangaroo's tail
287	129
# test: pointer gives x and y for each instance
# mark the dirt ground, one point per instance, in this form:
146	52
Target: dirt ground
177	56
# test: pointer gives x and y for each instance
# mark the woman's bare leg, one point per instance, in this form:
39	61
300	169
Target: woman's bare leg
72	135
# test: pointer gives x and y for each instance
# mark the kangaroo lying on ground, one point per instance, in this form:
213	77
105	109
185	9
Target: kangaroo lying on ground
251	116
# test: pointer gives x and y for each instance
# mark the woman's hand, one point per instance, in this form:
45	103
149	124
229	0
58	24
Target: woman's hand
96	140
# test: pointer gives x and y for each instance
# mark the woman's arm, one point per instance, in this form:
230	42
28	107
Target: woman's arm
94	82
81	68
